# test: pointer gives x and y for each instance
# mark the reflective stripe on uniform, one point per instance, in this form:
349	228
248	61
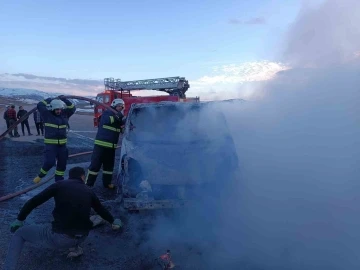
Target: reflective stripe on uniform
61	173
43	171
105	144
55	141
90	173
54	126
107	172
111	128
70	107
112	120
93	173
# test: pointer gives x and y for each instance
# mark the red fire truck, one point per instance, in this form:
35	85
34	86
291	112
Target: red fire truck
174	86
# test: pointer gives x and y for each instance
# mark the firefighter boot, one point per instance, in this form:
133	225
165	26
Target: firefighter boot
37	179
111	186
107	182
90	179
107	179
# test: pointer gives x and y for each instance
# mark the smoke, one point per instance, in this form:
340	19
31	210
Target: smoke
298	194
324	35
295	201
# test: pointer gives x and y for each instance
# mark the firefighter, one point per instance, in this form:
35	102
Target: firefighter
55	139
106	140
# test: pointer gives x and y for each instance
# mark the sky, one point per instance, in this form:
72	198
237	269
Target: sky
132	40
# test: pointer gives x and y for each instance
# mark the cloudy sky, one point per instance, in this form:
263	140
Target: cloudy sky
216	46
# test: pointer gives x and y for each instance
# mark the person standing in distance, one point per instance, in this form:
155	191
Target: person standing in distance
6	118
11	114
25	122
106	140
55	118
38	123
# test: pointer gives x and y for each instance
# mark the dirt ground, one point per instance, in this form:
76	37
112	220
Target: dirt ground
21	159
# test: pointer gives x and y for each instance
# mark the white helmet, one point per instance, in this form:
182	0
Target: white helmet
56	104
116	102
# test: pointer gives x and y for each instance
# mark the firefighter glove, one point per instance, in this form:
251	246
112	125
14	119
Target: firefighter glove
117	224
119	116
16	225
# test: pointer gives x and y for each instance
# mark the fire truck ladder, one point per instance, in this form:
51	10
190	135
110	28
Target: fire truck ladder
174	86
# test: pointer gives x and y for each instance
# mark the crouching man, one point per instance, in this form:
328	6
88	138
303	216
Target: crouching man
71	224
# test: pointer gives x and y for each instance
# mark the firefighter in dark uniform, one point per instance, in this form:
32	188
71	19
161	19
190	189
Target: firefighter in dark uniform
55	123
106	140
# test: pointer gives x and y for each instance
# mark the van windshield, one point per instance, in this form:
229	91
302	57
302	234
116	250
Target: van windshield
174	124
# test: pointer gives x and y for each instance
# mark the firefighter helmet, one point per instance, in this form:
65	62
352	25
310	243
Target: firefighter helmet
56	104
116	102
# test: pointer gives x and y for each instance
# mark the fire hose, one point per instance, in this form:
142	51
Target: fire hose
25	116
12	195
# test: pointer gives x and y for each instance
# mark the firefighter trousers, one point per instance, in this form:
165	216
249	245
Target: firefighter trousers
53	153
105	157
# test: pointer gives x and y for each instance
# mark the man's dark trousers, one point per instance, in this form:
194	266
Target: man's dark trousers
25	123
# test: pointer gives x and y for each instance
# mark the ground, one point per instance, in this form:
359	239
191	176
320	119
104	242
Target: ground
21	159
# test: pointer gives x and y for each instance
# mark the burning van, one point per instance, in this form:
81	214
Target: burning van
171	152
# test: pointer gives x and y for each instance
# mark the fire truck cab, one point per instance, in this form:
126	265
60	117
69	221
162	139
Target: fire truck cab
174	86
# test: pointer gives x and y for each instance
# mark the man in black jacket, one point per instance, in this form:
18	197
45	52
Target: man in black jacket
71	225
25	122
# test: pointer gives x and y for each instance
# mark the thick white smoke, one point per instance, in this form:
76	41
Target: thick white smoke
324	35
298	194
296	201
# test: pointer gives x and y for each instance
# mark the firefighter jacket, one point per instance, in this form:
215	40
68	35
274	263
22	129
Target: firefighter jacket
55	125
109	130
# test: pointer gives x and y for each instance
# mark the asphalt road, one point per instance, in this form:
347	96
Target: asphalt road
21	159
